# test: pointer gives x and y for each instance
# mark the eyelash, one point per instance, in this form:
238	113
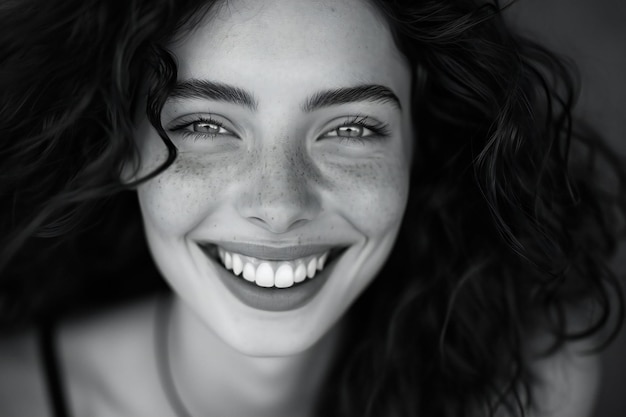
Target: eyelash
180	128
380	130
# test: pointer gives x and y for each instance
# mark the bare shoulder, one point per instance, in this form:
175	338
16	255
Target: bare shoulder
22	385
108	355
568	382
101	356
98	343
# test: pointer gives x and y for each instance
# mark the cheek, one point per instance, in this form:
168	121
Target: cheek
187	192
372	194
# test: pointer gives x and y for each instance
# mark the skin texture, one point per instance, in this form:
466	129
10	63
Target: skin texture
277	176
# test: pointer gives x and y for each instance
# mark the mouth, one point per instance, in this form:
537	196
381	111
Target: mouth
273	279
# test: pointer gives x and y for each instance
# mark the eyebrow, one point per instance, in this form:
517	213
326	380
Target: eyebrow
366	92
205	89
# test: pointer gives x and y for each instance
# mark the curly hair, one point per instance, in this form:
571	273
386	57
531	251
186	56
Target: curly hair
68	91
506	234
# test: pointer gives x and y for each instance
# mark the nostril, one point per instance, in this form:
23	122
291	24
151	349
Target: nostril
298	223
257	220
280	224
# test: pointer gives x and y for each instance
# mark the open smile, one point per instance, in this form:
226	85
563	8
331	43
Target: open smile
274	279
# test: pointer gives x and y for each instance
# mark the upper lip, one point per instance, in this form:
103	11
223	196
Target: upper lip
276	253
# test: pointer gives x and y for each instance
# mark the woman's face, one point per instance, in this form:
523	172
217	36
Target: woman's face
291	118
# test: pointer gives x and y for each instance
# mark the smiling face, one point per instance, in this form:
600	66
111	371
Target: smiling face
292	123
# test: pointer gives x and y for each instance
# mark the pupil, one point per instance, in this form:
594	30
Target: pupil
350	131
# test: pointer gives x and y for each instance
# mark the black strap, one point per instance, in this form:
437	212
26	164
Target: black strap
51	367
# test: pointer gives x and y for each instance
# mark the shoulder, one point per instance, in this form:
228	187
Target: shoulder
108	361
102	357
107	333
22	381
568	381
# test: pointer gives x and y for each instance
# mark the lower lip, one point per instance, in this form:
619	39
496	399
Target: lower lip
274	299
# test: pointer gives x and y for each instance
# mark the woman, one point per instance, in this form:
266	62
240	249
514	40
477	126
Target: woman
287	155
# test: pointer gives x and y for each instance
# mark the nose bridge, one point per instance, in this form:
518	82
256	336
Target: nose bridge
279	196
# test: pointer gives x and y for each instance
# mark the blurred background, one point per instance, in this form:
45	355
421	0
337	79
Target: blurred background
593	34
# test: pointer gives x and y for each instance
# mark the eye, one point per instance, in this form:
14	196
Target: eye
356	128
200	128
209	127
349	131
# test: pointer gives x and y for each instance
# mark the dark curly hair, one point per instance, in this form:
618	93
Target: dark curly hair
506	236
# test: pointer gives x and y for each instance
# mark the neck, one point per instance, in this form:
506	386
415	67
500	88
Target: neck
214	379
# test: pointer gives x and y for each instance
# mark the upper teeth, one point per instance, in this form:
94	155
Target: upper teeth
280	274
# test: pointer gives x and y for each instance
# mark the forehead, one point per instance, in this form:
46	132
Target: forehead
294	43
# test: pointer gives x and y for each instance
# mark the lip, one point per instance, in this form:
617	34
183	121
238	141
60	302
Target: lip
272	253
273	299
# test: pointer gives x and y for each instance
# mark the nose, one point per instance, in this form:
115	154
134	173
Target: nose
279	195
